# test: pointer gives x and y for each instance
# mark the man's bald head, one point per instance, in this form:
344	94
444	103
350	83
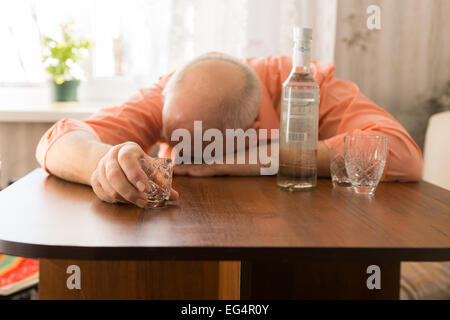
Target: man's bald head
219	90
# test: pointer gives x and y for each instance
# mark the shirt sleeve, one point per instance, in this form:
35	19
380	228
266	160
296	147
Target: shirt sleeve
344	110
139	120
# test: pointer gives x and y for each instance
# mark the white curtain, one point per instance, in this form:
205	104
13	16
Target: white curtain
168	33
318	14
271	23
142	39
242	28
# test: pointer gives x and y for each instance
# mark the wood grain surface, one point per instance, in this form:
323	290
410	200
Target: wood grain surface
227	219
316	280
140	280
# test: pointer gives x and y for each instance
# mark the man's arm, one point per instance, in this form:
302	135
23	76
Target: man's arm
344	110
104	151
113	171
323	160
75	156
203	170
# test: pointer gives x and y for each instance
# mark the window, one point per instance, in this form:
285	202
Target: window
138	39
142	39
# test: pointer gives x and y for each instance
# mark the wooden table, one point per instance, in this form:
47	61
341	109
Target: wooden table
225	238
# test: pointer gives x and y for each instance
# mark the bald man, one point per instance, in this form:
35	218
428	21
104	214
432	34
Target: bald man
223	93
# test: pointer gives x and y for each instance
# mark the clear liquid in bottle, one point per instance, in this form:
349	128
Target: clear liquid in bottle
299	124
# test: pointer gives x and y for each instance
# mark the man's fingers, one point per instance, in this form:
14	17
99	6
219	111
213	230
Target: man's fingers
113	195
102	188
173	195
120	183
121	177
132	167
96	182
108	189
98	189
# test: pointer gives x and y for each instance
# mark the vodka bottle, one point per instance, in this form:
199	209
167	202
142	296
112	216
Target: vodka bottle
299	120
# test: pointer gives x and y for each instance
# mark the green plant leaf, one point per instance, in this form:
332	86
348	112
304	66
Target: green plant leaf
70	47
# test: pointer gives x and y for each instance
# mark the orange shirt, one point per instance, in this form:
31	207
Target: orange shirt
343	109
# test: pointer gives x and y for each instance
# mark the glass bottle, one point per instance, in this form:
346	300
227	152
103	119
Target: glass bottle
299	119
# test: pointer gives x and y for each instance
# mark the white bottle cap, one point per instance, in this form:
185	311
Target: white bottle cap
302	34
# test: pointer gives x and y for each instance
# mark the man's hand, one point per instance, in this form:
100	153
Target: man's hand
209	170
119	176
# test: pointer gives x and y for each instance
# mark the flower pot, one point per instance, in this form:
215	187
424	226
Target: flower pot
67	91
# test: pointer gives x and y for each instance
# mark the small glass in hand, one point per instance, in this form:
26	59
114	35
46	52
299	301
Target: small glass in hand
159	172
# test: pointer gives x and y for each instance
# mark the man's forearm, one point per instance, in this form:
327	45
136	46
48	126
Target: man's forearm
323	165
323	160
75	156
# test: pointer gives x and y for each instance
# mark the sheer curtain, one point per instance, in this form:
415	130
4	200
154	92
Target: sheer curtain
172	32
143	39
241	28
318	14
271	23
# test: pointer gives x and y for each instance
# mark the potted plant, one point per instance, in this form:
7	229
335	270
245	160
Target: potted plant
62	61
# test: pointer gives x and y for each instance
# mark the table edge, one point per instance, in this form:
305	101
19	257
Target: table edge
38	251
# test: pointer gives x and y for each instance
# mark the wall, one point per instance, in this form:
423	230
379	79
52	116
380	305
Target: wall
18	141
403	65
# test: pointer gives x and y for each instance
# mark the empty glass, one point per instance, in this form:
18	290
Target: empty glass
159	172
365	158
338	171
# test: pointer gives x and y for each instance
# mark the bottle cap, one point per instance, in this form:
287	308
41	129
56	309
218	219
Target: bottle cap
302	34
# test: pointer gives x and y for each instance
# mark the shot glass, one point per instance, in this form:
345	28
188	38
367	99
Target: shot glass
338	171
159	172
365	158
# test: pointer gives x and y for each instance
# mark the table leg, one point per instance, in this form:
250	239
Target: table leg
141	279
317	280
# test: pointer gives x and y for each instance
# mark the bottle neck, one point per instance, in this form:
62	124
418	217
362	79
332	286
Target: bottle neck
301	58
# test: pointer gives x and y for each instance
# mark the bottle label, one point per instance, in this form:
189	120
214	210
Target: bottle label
298	136
299	123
